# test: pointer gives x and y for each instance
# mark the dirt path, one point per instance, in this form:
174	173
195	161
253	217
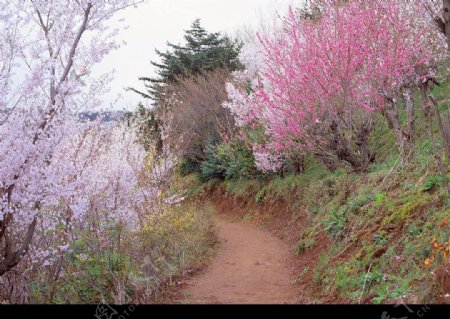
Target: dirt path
251	266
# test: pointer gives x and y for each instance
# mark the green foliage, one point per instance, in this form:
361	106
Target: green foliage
400	214
383	293
432	182
202	51
213	167
359	202
335	223
307	241
260	195
379	199
187	166
301	246
90	273
230	160
425	153
319	269
380	238
391	291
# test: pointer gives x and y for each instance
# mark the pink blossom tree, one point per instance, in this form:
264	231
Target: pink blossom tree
268	159
327	73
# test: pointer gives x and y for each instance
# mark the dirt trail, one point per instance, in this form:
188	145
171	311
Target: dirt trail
251	266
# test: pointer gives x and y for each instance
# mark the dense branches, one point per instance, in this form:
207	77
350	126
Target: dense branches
198	118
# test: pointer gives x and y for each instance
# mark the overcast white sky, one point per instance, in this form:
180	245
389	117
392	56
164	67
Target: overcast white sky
155	22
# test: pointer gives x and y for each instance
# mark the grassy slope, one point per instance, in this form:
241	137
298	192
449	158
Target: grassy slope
174	244
358	237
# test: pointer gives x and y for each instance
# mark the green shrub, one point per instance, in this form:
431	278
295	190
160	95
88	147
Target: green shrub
188	166
230	160
379	199
431	183
335	223
213	167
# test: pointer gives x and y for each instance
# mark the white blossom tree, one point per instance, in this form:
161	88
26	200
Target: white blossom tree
46	56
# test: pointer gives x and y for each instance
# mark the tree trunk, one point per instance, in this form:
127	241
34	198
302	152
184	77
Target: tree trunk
411	119
342	148
12	257
425	100
443	21
362	141
437	156
299	164
444	126
401	138
327	161
385	114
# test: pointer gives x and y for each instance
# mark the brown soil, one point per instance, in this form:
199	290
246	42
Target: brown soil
284	221
255	260
251	267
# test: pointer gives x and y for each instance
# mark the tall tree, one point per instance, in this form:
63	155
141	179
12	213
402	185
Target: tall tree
37	114
202	52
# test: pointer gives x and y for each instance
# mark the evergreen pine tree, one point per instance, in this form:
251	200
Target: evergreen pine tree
202	51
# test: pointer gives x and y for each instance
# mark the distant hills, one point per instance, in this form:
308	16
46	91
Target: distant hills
105	117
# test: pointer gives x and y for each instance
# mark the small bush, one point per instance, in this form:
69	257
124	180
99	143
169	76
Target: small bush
379	199
431	183
230	160
213	168
188	166
335	223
